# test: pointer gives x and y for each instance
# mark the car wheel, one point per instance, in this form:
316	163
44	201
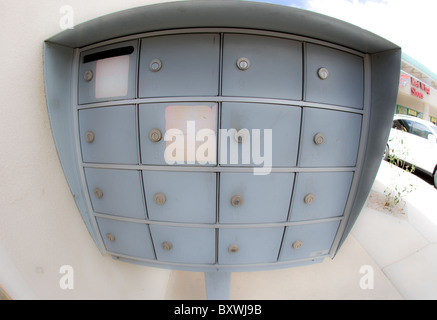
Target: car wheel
435	179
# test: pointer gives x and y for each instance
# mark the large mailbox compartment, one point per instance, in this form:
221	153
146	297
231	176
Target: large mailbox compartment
217	145
108	73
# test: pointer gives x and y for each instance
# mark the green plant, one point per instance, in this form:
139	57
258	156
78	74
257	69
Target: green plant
401	184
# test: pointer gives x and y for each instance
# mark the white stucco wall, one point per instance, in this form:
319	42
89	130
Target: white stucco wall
40	226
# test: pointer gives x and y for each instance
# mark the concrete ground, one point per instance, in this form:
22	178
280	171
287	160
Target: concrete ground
391	254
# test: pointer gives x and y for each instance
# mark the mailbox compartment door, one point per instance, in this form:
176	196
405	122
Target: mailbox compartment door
249	198
263	135
126	238
108	73
260	66
116	192
181	196
247	246
330	138
308	240
109	135
320	195
184	245
179	65
181	129
334	77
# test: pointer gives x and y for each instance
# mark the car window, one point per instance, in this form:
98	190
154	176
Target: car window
402	125
434	128
420	130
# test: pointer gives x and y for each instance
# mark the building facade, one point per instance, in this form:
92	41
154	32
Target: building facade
417	90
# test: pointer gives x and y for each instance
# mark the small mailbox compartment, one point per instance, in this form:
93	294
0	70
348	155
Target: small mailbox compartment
330	138
308	240
320	195
109	135
259	135
181	196
260	66
248	198
126	238
252	245
184	245
334	77
108	73
116	192
178	133
179	65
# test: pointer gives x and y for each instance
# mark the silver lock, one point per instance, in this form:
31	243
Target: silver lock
233	248
323	73
98	193
160	198
166	245
110	237
88	75
89	136
237	200
319	138
309	198
155	135
297	244
243	63
155	65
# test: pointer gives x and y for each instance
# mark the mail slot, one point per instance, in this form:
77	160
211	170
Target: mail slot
308	240
175	133
247	198
108	135
116	192
249	130
330	138
259	66
126	238
220	136
181	196
179	65
249	246
182	245
334	77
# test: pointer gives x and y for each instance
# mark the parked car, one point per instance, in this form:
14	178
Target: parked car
414	141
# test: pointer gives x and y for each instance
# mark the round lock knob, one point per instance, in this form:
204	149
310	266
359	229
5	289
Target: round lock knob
241	135
88	75
319	139
233	248
89	136
98	193
160	198
155	135
155	65
237	200
309	198
243	63
297	244
323	73
166	245
110	237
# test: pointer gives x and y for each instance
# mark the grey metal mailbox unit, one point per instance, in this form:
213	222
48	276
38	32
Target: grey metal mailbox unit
220	136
